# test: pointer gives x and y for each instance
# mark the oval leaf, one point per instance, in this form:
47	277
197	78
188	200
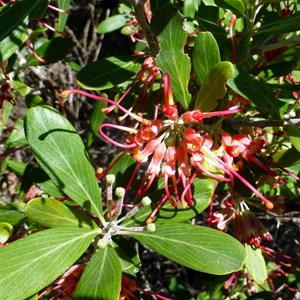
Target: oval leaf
13	29
6	231
12	213
112	23
51	51
214	86
203	191
255	264
33	262
256	91
60	151
197	247
167	24
206	54
102	277
53	213
108	72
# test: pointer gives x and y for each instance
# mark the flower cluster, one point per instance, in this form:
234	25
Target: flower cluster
180	148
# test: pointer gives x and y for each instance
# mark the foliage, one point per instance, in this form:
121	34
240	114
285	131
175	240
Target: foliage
203	117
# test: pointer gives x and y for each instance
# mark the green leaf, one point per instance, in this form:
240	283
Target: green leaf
236	6
97	119
123	169
286	158
13	29
40	177
167	24
60	151
196	247
108	72
53	213
206	54
62	17
102	277
281	25
128	255
12	213
6	231
294	135
17	136
203	191
112	23
255	264
256	91
51	51
214	86
31	263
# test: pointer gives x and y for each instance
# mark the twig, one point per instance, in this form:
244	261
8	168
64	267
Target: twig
261	123
140	15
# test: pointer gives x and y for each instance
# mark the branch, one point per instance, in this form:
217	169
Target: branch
141	17
261	123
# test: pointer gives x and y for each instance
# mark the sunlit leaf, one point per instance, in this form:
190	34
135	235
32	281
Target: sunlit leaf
112	23
197	247
60	151
6	231
14	18
31	263
102	277
53	213
206	54
214	86
167	24
255	264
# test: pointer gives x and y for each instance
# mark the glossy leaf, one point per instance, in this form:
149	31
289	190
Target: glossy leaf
108	72
197	247
255	264
286	158
203	191
62	17
122	169
12	213
206	54
51	51
6	231
40	177
236	6
281	25
294	135
31	263
60	151
102	277
112	23
13	29
167	24
256	91
53	213
96	120
214	86
128	255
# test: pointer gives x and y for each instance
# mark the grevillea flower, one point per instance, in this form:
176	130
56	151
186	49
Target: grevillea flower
180	148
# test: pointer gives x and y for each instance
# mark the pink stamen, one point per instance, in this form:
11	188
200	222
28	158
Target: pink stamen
269	205
66	93
125	146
